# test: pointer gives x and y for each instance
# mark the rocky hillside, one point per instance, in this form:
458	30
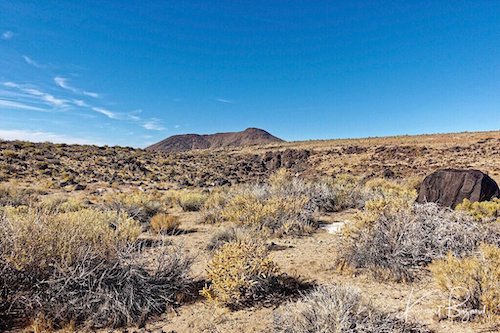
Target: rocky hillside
248	137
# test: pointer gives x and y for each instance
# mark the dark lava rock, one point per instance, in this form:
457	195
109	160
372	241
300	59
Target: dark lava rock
449	187
289	158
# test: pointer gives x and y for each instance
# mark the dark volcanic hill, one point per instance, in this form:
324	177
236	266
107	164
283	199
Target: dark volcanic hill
248	137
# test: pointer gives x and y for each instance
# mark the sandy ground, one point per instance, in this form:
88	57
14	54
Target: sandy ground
309	258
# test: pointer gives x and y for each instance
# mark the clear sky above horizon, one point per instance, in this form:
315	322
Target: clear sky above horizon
134	72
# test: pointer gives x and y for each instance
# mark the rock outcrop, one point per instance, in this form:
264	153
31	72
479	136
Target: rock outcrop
449	187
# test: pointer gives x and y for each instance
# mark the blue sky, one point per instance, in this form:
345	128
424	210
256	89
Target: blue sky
134	72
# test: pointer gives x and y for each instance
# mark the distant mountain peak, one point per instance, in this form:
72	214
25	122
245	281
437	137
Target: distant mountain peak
249	137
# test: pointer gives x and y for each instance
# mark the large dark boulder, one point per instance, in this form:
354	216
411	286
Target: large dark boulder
449	187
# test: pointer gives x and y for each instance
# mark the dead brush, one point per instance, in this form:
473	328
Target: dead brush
338	309
83	267
110	293
398	244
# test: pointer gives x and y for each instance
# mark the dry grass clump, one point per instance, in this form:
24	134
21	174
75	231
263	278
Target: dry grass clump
162	223
34	241
228	234
13	195
398	244
328	195
137	205
60	204
82	267
482	211
273	214
191	201
338	309
472	282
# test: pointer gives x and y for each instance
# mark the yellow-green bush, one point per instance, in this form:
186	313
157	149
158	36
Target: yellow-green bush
138	205
482	211
191	201
164	223
240	272
276	215
213	206
59	203
35	240
472	281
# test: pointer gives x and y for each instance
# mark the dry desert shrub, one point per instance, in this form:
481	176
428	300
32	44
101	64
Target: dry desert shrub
472	281
482	211
60	204
33	241
102	293
230	234
83	267
275	215
240	272
164	223
191	201
399	243
138	205
338	309
13	195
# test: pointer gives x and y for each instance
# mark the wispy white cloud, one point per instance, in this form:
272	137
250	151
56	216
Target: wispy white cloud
80	103
40	136
63	83
223	100
42	96
153	125
6	35
91	94
106	112
32	62
177	126
11	105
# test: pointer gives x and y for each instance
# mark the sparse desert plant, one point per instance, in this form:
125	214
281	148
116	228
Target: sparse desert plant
191	201
137	205
83	267
213	206
34	241
12	194
60	204
233	234
338	309
110	293
275	214
399	244
482	211
161	223
472	281
240	273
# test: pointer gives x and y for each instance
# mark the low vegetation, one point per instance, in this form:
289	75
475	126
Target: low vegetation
472	282
241	273
191	201
481	211
337	308
82	267
164	223
399	243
